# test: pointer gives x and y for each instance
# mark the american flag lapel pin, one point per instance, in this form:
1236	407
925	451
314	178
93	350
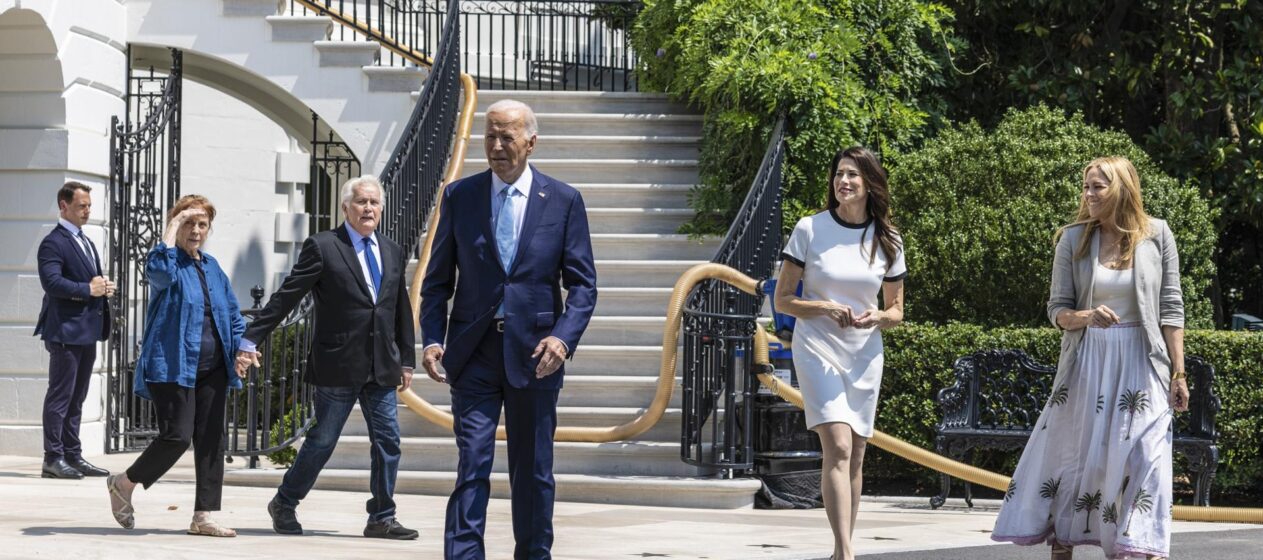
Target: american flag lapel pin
543	195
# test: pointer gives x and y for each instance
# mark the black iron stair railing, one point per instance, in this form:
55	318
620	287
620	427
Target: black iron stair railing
719	324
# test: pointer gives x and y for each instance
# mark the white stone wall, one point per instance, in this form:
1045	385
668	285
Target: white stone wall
62	63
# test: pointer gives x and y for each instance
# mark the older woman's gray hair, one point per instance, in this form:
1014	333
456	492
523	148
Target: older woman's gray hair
348	188
513	105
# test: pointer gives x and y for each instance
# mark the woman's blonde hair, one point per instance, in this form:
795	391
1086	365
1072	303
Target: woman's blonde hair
192	201
1121	202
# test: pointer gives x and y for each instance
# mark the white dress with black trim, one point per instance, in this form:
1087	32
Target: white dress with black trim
839	370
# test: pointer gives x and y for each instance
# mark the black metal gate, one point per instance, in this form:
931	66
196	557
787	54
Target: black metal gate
332	163
144	183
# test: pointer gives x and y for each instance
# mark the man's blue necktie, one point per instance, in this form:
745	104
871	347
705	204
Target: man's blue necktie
373	270
506	236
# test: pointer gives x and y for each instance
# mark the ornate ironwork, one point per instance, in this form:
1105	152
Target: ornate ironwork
274	407
998	395
414	174
719	323
332	163
144	182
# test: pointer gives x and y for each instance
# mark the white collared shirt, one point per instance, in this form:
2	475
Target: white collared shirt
357	241
74	232
521	185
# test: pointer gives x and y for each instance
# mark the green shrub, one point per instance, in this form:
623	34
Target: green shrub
282	429
978	209
844	71
919	360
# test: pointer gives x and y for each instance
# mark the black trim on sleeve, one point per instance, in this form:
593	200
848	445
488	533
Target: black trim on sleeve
895	278
793	259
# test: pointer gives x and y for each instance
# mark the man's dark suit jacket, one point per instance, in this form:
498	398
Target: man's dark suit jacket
356	340
554	250
69	313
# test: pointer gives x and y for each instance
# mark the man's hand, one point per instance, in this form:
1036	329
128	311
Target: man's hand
244	361
406	381
430	361
100	286
553	351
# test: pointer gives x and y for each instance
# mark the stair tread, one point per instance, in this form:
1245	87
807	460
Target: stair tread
612	446
609	116
621	138
677	481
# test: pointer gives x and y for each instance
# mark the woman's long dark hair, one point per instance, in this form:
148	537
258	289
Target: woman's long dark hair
878	206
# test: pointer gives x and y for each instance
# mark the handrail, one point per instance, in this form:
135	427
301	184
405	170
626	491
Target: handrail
365	28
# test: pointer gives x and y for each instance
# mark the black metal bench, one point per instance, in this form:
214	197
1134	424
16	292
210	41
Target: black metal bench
999	394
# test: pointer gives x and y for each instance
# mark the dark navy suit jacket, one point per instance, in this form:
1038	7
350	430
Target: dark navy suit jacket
69	314
554	250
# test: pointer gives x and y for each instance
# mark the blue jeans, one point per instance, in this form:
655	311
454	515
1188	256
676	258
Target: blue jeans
333	406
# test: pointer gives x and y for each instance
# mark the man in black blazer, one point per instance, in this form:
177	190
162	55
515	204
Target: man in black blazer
362	349
72	318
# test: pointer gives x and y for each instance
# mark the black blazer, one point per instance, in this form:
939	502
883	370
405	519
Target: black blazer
69	313
356	340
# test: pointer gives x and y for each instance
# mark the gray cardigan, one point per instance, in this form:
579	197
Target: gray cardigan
1158	292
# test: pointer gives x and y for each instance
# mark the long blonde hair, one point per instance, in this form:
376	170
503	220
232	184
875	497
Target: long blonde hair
1121	201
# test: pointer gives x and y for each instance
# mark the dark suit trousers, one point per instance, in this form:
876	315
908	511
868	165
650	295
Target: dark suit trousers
188	415
531	420
69	373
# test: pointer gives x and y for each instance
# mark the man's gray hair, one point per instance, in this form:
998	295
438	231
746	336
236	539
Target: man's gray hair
348	188
512	105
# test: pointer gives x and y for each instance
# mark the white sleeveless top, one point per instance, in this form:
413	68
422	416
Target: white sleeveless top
1116	289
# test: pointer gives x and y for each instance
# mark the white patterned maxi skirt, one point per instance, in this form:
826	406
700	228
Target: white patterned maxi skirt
1097	468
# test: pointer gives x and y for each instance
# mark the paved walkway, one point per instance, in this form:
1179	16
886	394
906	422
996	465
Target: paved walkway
43	518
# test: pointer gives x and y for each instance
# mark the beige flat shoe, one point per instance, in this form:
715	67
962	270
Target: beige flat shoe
120	505
210	528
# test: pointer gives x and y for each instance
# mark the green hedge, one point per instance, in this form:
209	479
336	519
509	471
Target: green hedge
919	360
978	209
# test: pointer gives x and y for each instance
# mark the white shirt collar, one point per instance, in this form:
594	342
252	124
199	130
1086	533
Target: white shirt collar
74	229
356	237
522	184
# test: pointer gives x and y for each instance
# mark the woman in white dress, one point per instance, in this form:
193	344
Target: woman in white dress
843	256
1097	470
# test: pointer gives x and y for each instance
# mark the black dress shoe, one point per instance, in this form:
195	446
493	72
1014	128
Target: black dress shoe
390	530
88	469
284	522
59	468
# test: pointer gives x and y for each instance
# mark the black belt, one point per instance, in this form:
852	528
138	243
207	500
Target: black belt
498	324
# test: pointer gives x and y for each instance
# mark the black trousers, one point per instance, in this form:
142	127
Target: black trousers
69	373
188	415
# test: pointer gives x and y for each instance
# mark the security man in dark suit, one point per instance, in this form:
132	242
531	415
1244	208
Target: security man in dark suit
362	350
72	318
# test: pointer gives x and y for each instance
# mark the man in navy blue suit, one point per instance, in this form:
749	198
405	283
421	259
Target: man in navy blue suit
516	237
72	318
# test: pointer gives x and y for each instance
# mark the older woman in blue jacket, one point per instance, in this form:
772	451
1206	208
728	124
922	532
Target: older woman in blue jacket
191	335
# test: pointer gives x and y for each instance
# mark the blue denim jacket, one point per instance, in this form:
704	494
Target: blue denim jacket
173	325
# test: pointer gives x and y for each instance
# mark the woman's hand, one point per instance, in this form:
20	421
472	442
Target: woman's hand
1100	317
876	318
838	312
173	227
1179	394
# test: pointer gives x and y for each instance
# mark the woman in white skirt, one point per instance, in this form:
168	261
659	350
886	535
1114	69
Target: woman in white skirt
843	256
1097	469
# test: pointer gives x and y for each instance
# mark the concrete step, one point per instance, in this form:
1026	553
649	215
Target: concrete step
625	458
636	195
300	29
687	492
252	8
609	102
640	273
618	330
647	246
614	147
610	124
649	302
412	425
637	220
616	360
580	391
352	54
679	171
395	78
